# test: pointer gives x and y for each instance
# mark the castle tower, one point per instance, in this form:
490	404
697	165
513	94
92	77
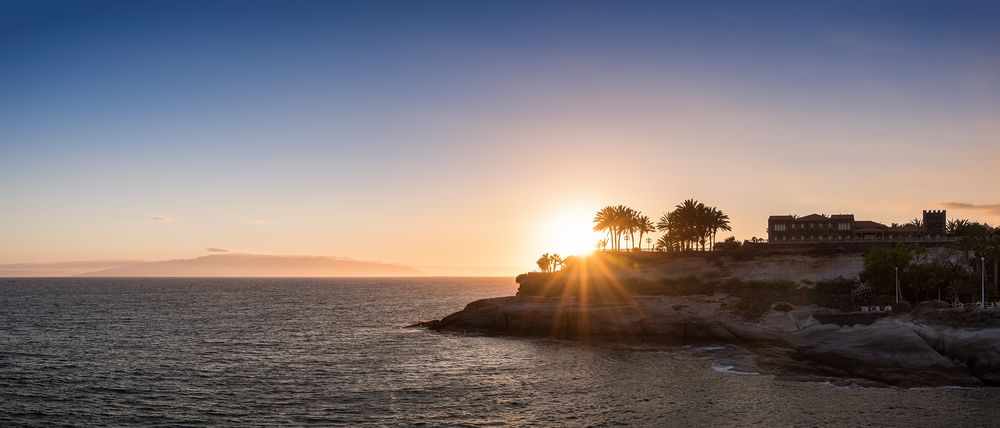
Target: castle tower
935	222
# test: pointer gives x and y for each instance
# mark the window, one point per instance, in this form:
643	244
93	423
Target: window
843	226
780	227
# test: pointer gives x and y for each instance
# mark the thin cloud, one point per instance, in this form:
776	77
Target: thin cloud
216	250
162	218
987	208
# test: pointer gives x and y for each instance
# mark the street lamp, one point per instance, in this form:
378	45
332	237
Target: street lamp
897	284
983	285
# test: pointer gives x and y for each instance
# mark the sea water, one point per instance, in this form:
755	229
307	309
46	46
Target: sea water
244	352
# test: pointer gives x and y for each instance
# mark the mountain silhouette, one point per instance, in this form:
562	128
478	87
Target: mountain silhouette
257	265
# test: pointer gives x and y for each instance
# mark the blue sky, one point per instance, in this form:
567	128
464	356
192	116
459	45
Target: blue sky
405	131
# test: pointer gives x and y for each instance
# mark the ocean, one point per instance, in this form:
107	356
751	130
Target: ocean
336	352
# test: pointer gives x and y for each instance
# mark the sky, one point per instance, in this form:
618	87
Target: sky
469	137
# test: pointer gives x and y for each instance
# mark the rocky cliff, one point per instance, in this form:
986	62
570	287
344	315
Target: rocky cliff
894	350
762	305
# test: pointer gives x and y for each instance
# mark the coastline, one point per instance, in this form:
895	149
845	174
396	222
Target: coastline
923	348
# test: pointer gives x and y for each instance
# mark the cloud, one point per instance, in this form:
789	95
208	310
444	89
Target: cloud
216	250
987	208
163	218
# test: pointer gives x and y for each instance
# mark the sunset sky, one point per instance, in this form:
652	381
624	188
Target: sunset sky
468	137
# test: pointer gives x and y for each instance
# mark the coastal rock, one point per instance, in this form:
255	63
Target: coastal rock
893	350
978	350
672	320
887	352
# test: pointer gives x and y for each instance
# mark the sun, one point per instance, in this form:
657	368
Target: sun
569	232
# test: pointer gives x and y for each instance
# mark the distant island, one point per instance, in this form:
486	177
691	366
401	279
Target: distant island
824	298
219	265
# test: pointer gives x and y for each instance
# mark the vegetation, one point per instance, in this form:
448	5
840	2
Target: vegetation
839	285
961	228
901	307
644	225
549	262
923	274
690	226
730	244
882	265
616	221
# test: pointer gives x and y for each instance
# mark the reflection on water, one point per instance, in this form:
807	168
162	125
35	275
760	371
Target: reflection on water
333	352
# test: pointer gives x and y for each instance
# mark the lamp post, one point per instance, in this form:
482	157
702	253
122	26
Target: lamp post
982	271
897	284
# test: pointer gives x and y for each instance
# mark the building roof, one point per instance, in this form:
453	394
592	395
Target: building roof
869	226
813	217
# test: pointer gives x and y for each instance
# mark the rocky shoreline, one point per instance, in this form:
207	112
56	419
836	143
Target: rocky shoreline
907	350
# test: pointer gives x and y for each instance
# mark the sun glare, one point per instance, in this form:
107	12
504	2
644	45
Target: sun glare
569	233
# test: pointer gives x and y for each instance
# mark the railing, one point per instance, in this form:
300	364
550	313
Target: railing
811	240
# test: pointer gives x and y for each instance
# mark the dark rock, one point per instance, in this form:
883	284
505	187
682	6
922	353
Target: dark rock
893	350
782	307
425	324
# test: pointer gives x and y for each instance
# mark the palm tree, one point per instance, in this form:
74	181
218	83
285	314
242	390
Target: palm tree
689	216
719	221
615	221
604	221
663	243
690	225
693	224
544	262
666	243
673	238
915	222
630	224
645	225
623	223
555	262
550	262
955	227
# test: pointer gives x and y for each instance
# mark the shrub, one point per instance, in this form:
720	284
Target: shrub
824	251
730	244
863	291
900	307
933	304
839	285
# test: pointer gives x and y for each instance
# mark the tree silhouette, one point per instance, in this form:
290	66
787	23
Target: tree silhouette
604	221
616	221
550	262
645	225
691	225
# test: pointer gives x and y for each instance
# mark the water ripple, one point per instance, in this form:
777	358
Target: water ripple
322	352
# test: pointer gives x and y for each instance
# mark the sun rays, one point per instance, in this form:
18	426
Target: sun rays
588	284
